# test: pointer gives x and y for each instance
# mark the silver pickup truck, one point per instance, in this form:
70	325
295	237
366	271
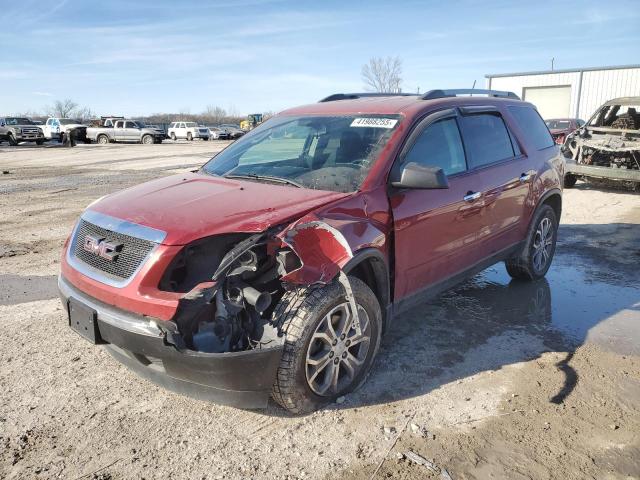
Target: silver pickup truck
120	130
20	129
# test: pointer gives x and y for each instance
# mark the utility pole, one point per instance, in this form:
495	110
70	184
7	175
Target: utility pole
552	60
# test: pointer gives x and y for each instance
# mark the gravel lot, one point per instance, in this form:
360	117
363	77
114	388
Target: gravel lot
494	379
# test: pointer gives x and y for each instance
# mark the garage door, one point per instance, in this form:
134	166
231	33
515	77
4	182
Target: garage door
552	102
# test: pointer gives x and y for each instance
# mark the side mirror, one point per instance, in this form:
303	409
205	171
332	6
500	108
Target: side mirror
414	175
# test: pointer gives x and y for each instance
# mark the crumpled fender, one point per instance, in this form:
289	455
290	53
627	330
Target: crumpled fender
325	244
321	248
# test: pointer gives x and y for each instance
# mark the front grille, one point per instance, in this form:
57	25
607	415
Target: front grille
30	130
130	257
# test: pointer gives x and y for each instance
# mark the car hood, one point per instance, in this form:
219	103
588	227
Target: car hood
192	206
555	131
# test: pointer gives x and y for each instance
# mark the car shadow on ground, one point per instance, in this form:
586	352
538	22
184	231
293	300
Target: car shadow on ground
491	321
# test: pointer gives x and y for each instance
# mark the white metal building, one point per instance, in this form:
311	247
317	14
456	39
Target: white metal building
575	93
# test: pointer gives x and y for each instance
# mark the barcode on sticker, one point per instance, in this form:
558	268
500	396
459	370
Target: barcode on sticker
374	122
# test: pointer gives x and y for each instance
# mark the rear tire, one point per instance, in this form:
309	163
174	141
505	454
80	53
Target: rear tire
189	136
534	260
39	142
305	381
570	180
103	139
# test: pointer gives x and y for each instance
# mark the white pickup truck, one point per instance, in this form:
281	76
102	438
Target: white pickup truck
55	128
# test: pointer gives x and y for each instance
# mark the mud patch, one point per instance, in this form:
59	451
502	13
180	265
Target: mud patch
12	250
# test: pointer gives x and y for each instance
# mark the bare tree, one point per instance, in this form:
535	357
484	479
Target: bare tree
214	114
383	74
62	108
83	113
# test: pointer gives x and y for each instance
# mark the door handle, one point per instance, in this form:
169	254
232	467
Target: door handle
525	177
472	196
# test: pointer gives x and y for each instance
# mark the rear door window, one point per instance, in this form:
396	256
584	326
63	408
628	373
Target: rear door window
486	138
439	145
532	124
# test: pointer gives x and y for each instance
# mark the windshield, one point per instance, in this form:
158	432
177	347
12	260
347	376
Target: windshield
558	124
323	153
68	121
18	121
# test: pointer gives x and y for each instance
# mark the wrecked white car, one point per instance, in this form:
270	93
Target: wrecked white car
608	146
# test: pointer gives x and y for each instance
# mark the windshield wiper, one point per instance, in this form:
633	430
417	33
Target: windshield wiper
255	176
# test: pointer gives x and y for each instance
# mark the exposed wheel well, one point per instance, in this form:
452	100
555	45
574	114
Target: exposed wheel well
371	269
554	201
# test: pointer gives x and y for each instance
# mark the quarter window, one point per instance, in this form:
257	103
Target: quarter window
439	145
486	138
531	123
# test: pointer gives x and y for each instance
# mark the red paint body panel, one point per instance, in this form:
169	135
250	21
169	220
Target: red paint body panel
192	206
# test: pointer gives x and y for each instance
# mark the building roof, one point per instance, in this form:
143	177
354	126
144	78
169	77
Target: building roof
567	70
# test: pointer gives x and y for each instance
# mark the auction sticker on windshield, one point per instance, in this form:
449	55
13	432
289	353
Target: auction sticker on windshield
374	122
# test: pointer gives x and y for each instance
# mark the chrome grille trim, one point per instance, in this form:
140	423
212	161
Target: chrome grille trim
117	226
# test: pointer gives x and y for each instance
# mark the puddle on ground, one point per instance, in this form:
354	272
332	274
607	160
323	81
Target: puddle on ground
575	303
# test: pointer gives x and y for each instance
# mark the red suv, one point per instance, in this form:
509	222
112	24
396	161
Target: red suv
276	268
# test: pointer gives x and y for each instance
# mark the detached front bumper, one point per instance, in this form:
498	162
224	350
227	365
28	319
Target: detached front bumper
580	169
240	379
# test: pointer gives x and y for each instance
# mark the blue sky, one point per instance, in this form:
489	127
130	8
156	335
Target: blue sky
148	56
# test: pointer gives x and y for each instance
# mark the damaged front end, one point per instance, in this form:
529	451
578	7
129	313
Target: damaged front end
233	309
224	342
608	147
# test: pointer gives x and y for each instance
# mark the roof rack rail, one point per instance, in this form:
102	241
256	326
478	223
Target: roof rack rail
353	96
432	94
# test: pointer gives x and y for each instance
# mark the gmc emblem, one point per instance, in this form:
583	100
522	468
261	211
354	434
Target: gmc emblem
101	247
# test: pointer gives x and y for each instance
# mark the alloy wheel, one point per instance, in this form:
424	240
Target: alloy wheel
337	350
543	244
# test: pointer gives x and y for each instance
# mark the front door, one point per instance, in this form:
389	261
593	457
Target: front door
131	132
436	231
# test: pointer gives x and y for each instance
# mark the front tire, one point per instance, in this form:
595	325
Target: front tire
12	140
189	136
173	136
534	260
147	140
324	357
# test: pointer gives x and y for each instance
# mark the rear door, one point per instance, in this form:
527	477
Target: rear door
502	172
119	132
436	231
